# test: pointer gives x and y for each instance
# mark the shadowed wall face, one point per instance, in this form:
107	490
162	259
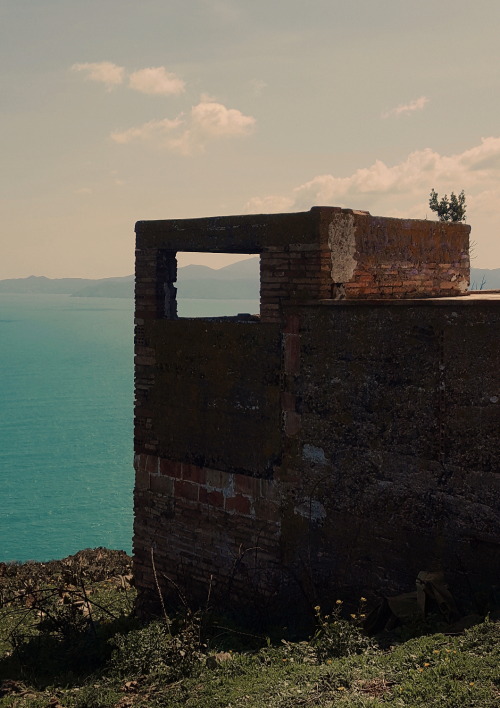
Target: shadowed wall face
216	394
336	444
398	442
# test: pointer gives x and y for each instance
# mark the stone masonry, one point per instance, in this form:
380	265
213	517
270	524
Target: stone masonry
338	442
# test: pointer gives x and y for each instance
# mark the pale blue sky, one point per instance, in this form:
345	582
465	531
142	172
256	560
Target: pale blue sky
249	106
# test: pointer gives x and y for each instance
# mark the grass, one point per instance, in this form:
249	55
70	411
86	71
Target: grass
68	639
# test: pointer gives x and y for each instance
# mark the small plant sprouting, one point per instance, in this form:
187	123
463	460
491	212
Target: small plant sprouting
448	210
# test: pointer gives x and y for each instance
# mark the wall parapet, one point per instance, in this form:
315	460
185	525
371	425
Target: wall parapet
324	253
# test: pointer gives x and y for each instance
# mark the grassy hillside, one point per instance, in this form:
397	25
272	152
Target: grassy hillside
68	639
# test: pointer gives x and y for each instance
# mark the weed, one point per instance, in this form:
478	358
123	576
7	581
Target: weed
157	649
336	636
482	640
83	650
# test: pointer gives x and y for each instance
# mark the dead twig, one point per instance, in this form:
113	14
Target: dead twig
167	619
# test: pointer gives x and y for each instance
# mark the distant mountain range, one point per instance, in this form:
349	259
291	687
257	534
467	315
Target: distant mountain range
238	281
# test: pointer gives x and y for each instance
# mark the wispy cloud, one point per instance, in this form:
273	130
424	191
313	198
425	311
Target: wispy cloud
404	186
207	121
406	108
156	80
269	205
154	130
104	72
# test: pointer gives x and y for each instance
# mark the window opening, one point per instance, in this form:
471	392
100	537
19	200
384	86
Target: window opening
214	285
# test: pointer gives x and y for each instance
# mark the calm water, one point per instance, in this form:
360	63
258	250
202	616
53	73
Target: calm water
66	395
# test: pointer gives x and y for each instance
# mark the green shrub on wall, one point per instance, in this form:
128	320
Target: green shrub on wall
448	210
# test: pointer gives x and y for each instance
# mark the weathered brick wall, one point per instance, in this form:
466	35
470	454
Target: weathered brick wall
398	258
356	255
385	463
397	443
341	443
292	274
205	530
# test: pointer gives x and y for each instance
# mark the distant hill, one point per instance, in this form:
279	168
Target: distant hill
484	279
41	284
107	287
238	281
242	270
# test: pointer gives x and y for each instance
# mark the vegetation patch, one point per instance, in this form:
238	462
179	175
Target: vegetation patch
70	640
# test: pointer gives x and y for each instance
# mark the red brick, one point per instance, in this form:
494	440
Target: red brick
270	490
292	423
152	464
142	479
267	511
142	350
292	353
141	412
273	287
162	485
186	490
271	278
269	317
239	504
140	462
211	497
244	484
277	291
217	478
170	468
288	401
145	290
304	247
268	263
193	473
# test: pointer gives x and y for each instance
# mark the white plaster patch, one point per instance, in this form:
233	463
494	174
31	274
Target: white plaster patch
229	490
312	510
314	454
342	244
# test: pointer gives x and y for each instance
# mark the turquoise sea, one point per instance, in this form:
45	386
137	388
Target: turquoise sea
66	409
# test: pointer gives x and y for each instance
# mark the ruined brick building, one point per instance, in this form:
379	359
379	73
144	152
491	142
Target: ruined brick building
339	442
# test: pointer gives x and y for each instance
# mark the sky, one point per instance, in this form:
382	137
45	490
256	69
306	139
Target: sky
114	111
